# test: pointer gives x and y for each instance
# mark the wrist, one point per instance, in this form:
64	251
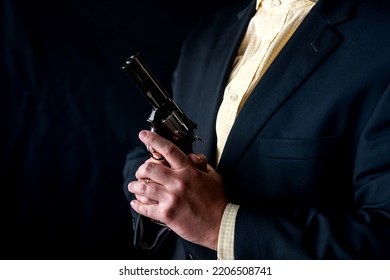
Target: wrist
213	235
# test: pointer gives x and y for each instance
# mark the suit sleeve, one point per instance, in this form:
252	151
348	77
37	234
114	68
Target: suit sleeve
359	232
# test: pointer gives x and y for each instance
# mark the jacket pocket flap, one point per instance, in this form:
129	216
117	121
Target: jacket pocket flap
286	148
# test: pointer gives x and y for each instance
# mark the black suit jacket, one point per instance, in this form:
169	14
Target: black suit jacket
308	158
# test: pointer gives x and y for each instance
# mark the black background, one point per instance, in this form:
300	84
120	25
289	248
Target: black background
69	115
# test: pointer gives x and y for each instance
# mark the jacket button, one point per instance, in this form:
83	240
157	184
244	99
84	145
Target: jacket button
189	256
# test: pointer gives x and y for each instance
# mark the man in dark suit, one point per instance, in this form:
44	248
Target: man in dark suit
306	164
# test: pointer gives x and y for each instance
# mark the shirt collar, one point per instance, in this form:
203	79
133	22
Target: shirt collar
258	2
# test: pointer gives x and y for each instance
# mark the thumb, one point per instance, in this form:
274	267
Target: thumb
199	160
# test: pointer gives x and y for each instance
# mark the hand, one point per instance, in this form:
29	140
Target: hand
185	193
199	160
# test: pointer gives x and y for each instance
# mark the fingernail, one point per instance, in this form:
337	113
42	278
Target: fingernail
142	134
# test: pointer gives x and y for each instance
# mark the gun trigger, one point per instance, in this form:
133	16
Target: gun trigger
153	153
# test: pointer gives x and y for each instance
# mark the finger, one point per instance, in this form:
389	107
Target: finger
199	160
145	200
172	154
147	210
150	190
157	173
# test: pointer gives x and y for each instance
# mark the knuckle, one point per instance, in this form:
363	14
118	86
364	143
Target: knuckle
148	167
168	215
194	174
142	188
171	150
168	209
180	186
173	201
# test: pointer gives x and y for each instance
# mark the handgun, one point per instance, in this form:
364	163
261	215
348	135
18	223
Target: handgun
166	118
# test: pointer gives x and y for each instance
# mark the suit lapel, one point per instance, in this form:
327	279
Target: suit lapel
310	44
217	73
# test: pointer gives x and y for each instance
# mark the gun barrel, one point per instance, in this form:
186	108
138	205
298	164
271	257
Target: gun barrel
153	91
166	118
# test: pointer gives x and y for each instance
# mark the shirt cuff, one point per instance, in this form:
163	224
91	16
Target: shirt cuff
226	233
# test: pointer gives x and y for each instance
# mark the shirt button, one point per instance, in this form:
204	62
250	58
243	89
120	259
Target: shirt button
276	3
233	97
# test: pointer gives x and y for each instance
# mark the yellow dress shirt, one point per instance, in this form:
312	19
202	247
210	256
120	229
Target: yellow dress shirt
271	27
